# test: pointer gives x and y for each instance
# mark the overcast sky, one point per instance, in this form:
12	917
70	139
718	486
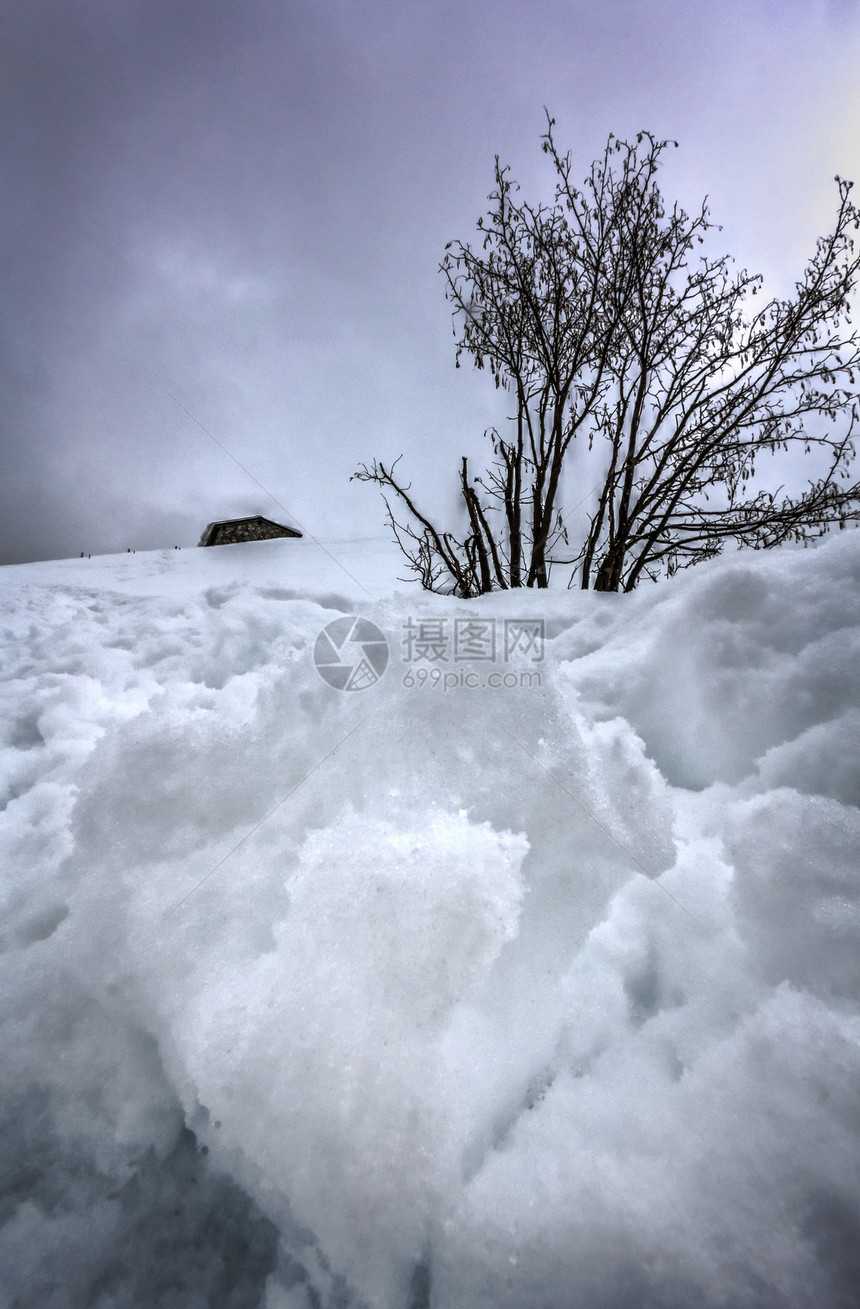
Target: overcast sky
243	206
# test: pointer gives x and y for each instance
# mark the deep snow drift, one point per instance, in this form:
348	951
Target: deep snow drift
526	976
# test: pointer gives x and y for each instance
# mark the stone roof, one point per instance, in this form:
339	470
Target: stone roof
230	531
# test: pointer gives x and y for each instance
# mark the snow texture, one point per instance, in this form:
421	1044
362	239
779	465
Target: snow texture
429	996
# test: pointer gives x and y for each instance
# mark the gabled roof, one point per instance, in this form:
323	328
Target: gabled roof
229	531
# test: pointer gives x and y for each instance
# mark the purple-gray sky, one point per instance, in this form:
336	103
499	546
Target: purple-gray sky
243	205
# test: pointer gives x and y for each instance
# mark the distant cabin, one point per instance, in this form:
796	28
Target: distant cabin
233	530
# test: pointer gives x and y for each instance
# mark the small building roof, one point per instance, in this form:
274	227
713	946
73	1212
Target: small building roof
231	531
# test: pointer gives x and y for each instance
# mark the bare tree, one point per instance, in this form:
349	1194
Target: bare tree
608	323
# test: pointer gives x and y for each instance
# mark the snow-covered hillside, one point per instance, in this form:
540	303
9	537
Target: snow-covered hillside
524	975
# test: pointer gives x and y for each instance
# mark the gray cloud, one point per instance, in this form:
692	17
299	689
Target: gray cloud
244	204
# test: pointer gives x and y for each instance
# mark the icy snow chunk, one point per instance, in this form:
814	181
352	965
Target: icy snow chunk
417	914
624	1187
824	760
797	889
732	659
326	1044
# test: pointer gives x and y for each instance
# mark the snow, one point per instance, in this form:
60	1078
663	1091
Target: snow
440	992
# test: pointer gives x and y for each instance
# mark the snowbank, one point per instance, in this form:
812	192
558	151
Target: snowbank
524	976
